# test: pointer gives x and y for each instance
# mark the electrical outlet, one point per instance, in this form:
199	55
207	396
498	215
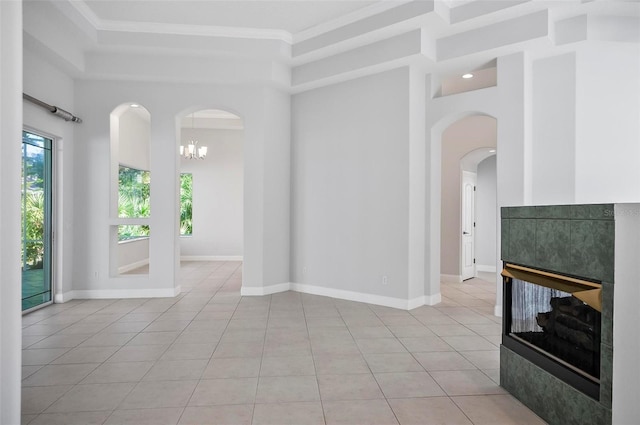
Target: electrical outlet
304	271
95	274
385	280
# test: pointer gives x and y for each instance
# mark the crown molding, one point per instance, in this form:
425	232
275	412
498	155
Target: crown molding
349	18
198	30
160	28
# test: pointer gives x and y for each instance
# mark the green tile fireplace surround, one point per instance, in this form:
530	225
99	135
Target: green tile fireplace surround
575	240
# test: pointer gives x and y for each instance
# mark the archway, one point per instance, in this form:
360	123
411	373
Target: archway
211	147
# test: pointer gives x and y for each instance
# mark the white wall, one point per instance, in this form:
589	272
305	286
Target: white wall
608	123
462	137
217	194
10	151
485	242
133	254
554	130
134	138
350	162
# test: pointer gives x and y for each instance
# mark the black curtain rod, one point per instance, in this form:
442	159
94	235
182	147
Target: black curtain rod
66	115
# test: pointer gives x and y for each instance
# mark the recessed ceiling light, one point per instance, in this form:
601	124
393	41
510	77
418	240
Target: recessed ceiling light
492	151
134	105
467	76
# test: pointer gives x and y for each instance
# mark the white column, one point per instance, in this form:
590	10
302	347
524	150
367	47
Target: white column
10	148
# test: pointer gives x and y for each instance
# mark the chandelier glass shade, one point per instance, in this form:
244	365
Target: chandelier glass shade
192	150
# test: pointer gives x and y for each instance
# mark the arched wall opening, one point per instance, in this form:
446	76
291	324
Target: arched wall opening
130	195
211	186
465	143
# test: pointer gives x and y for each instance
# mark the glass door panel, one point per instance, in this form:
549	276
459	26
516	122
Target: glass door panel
36	220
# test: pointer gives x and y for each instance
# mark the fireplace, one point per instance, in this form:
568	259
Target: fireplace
556	355
554	321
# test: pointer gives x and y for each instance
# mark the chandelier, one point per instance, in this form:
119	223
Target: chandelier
192	151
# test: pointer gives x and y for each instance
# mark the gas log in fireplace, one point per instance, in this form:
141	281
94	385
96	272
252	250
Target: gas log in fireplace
554	321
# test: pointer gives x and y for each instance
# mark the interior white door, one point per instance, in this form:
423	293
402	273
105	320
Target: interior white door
468	224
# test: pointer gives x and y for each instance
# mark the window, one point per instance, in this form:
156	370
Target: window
133	201
186	202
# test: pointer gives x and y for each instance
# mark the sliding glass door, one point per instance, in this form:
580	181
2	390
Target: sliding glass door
36	220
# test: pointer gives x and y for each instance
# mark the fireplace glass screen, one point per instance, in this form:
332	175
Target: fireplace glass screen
558	324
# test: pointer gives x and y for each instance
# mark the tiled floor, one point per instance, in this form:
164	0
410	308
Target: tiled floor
210	356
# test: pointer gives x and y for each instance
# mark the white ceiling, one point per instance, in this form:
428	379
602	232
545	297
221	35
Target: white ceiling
292	16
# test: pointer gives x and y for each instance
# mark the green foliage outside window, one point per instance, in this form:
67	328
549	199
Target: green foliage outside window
134	192
186	204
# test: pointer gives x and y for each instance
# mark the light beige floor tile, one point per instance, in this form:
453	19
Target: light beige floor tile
308	413
138	353
189	351
72	418
408	384
287	349
287	366
393	362
483	359
443	360
439	319
154	338
198	337
27	419
494	374
451	330
239	414
244	335
232	367
497	409
91	397
210	392
425	344
469	343
162	416
239	349
334	346
332	364
167	325
353	387
350	412
287	389
431	410
37	399
410	331
59	375
118	372
466	382
86	355
104	339
43	356
126	327
176	370
60	341
207	326
29	370
157	394
362	332
486	329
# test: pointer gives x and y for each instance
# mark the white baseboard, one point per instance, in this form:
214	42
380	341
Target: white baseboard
211	258
497	310
341	294
250	291
450	278
485	268
98	294
133	266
